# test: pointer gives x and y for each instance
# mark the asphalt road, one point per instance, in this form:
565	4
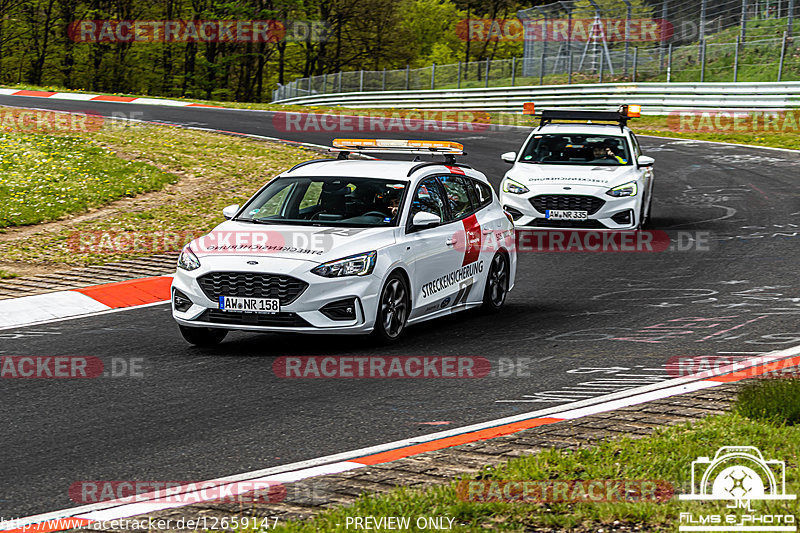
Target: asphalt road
577	325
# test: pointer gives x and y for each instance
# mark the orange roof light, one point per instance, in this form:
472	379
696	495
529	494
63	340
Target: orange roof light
634	110
528	108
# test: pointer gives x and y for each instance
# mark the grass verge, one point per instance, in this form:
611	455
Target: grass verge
198	174
665	456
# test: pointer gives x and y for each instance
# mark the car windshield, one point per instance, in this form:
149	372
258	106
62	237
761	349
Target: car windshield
577	149
327	201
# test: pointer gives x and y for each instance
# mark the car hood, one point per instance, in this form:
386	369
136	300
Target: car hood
535	175
301	243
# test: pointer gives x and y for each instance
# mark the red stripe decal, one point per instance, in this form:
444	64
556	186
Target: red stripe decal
44	94
129	293
484	434
109	98
472	233
758	370
456	170
52	525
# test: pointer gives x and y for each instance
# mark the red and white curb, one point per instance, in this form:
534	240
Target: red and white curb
60	305
101	98
332	464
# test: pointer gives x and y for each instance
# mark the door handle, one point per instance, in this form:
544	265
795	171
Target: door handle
487	231
450	242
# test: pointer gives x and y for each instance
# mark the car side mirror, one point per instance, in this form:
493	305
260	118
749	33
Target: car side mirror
230	211
509	157
425	220
645	161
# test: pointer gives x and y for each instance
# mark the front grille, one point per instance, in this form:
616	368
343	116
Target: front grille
286	320
574	224
571	202
251	285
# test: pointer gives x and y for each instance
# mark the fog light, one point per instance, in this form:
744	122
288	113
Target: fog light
515	213
624	217
340	309
181	302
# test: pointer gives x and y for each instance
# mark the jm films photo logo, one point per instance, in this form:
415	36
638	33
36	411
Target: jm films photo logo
563	30
738	475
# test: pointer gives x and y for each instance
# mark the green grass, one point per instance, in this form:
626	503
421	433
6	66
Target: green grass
44	177
209	171
7	275
665	456
772	400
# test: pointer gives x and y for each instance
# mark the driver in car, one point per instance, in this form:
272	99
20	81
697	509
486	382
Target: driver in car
603	151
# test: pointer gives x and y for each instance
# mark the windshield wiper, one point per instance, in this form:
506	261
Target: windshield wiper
257	221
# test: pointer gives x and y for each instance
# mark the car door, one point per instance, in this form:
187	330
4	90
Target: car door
471	227
437	259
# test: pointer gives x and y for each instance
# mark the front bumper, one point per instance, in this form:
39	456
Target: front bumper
526	215
302	315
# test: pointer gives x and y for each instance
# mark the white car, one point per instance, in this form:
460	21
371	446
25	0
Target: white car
580	175
351	247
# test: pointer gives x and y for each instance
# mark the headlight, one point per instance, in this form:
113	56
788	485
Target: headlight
355	265
626	189
187	260
514	187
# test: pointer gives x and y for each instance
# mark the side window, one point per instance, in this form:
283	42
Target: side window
428	199
457	191
636	150
483	192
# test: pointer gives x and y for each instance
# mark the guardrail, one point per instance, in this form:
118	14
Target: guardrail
655	98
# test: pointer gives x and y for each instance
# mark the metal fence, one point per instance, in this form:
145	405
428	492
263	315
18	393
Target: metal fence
655	98
724	40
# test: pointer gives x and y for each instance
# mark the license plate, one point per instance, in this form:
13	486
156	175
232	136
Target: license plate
560	214
249	305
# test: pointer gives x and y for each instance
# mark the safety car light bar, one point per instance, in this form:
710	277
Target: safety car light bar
620	116
448	149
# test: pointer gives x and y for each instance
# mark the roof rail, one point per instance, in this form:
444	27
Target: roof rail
304	163
448	149
620	116
435	163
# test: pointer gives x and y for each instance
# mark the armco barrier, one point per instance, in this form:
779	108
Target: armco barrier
655	98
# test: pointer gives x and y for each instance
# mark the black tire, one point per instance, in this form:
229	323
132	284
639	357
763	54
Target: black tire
393	309
203	336
496	290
